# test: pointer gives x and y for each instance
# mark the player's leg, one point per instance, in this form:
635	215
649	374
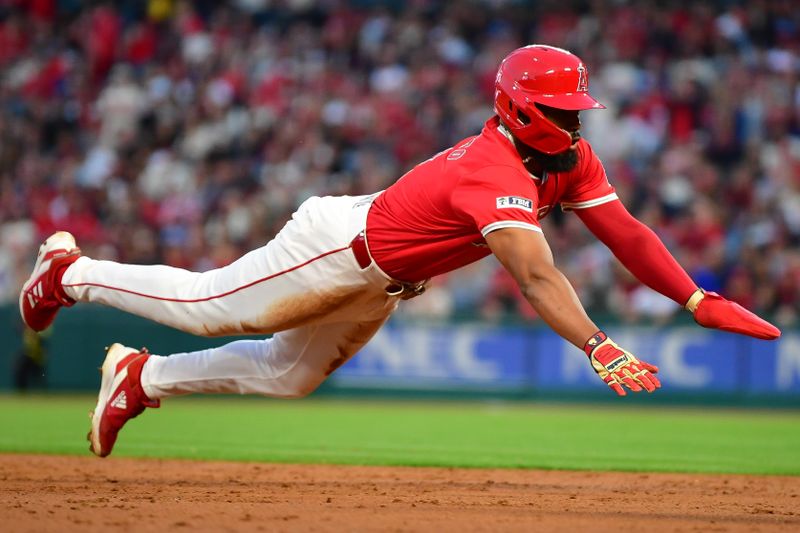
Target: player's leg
291	364
305	272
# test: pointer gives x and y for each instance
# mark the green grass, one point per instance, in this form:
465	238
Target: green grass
422	433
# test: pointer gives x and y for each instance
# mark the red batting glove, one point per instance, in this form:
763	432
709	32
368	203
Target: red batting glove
713	311
617	367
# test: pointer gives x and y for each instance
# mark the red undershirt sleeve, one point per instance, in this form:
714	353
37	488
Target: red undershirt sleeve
639	249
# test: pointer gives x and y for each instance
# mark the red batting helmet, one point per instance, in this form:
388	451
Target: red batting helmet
540	74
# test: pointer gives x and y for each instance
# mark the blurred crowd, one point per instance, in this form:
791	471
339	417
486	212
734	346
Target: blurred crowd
186	133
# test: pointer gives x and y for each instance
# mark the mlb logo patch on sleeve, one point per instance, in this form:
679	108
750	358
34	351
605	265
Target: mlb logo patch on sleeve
515	202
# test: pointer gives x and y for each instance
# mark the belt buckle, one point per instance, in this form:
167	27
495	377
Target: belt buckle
406	290
395	289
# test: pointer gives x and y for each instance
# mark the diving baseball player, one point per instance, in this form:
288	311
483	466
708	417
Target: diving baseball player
336	271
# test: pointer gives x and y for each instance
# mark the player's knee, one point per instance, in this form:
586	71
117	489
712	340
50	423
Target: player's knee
304	388
211	330
301	384
299	393
195	329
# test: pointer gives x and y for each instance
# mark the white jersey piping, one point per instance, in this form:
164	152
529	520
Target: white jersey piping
509	224
567	206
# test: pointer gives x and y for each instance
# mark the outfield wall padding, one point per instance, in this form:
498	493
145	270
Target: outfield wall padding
467	358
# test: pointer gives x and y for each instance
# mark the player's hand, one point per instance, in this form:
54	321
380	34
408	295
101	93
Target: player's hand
617	367
713	311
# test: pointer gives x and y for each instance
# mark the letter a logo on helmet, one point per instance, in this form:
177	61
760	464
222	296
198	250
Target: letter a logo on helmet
583	82
540	74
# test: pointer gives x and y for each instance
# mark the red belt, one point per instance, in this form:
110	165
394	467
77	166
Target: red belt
359	247
396	288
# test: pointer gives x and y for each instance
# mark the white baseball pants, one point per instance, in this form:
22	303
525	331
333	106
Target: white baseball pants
305	285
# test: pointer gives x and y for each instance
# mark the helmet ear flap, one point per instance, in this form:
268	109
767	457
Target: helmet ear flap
543	135
530	126
504	107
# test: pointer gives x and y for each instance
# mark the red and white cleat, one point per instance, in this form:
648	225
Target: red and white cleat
42	295
121	396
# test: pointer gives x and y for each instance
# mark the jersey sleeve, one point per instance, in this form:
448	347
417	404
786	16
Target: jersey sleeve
589	185
497	197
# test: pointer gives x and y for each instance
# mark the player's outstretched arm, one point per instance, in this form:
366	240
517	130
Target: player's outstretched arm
527	256
645	256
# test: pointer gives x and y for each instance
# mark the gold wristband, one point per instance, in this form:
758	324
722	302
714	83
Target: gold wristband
694	300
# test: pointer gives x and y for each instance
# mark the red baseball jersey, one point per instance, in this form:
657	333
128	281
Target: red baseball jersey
434	219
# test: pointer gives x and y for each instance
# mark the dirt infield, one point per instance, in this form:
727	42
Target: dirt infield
47	493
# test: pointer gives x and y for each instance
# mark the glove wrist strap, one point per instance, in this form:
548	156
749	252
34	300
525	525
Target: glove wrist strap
594	341
694	300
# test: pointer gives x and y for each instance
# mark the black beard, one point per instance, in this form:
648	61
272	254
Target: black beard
563	162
